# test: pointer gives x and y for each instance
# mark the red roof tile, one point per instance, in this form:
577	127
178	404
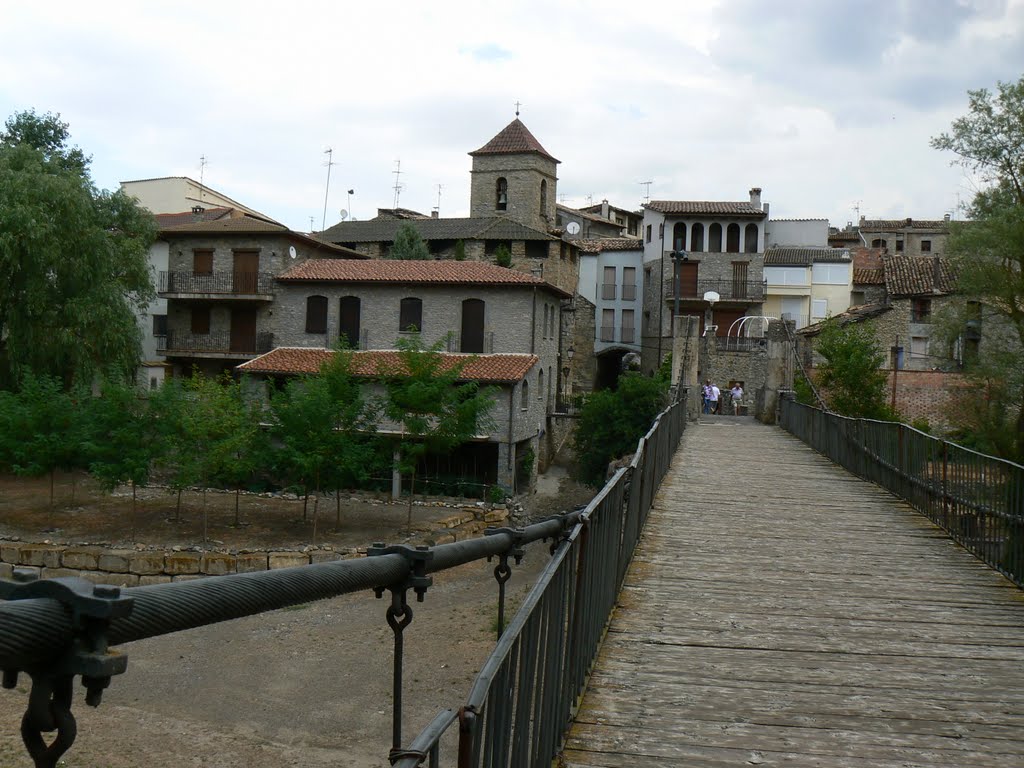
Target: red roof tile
165	220
446	272
600	244
710	207
374	363
869	276
918	275
515	138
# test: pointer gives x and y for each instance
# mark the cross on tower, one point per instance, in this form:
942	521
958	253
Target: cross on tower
518	105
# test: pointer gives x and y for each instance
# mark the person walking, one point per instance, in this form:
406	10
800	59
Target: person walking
716	395
737	395
705	396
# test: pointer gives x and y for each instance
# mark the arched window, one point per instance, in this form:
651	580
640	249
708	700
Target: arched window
715	238
551	380
878	243
732	238
697	238
750	240
525	401
543	197
410	316
540	384
348	323
679	236
316	314
544	331
472	337
501	195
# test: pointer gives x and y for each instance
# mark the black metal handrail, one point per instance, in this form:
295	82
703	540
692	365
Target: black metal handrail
57	629
977	499
523	699
217	283
727	290
220	342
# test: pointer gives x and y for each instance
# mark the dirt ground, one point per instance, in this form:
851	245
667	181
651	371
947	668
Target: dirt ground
304	686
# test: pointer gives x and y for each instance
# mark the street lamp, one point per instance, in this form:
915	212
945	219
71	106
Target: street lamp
679	257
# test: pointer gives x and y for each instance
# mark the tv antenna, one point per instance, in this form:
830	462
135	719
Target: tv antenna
856	210
330	161
438	206
398	185
203	162
647	190
310	223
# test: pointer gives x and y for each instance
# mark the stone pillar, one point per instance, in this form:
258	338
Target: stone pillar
685	360
396	478
778	370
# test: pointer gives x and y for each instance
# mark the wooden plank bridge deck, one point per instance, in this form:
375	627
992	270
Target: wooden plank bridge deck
780	611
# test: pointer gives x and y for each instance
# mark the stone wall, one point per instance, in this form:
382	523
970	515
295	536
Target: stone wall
523	172
142	566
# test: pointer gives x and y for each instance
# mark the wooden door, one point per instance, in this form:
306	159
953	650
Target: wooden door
246	273
688	279
472	339
243	331
348	326
725	318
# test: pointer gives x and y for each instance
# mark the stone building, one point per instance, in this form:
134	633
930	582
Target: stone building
220	290
631	222
508	322
719	276
911	237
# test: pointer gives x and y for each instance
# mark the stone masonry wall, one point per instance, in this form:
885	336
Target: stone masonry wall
523	173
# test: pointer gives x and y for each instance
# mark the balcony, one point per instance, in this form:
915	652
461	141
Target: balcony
607	291
627	335
486	346
237	346
250	286
727	290
607	333
629	292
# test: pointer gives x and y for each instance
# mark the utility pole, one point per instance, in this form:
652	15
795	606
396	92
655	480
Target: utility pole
398	186
647	190
330	161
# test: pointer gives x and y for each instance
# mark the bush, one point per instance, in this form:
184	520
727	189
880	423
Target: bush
503	256
496	494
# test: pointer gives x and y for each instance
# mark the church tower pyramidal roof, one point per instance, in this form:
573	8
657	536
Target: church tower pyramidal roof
515	138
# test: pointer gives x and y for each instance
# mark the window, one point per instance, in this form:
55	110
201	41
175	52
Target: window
857	298
316	314
732	238
544	328
919	346
554	312
607	325
159	325
525	400
926	246
786	275
540	384
202	261
608	286
830	274
348	321
543	197
629	283
819	309
899	246
648	233
751	238
679	236
200	320
410	315
697	238
878	243
501	194
628	332
661	231
715	238
921	311
472	337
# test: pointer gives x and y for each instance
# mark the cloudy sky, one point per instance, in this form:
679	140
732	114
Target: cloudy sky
825	105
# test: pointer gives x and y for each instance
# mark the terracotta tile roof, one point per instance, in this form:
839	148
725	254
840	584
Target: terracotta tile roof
845	236
383	230
446	272
852	315
803	257
494	368
706	207
515	138
869	276
866	258
916	276
246	225
165	220
599	244
890	225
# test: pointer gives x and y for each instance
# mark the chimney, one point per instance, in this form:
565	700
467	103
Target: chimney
605	213
765	208
755	197
435	213
946	218
197	209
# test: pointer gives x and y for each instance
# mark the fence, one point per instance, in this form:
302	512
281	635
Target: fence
57	629
977	499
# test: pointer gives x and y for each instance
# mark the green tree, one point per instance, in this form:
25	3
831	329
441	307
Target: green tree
851	378
73	266
408	245
612	421
503	256
121	443
987	255
460	250
433	408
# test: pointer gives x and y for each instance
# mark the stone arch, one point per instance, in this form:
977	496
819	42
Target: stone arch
750	238
543	197
501	194
715	238
679	236
697	238
732	238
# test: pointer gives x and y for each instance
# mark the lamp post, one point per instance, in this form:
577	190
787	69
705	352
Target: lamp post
679	257
565	370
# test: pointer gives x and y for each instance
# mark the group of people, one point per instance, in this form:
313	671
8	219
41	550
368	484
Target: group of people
712	397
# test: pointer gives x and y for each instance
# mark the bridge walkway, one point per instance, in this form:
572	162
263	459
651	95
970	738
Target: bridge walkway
780	611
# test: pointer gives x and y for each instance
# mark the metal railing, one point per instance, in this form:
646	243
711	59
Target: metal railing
177	342
607	333
608	291
978	499
570	404
520	705
454	343
740	343
727	290
220	283
629	292
524	698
